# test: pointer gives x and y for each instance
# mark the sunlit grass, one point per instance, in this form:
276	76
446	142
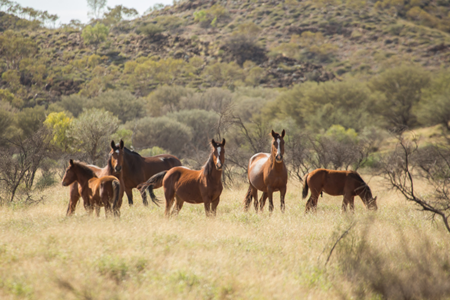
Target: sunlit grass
44	255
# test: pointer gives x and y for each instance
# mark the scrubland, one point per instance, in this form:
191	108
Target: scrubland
237	255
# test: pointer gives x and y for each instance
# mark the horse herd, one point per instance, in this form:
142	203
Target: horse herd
267	173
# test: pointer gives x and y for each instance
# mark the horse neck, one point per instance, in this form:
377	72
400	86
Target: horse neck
273	163
130	160
83	177
209	169
366	193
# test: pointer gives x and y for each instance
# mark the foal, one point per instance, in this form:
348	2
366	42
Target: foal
96	192
335	183
267	173
186	185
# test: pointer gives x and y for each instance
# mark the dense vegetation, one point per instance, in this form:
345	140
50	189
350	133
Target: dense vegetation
335	74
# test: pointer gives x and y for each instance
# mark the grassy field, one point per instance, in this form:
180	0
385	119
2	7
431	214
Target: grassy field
237	255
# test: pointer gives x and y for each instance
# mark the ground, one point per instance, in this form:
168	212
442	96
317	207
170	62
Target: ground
237	255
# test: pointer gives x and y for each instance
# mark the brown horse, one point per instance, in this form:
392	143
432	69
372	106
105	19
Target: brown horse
202	186
336	183
75	188
96	192
267	173
135	169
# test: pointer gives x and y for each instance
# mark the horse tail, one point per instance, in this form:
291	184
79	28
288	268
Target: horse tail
305	187
154	182
116	190
248	198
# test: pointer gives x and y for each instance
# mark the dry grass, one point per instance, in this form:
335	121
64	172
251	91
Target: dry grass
44	255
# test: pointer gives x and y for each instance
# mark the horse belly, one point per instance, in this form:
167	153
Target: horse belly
256	174
189	194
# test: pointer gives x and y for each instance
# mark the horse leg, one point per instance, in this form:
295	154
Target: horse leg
97	210
169	195
74	197
214	206
262	201
255	197
129	196
282	194
270	195
178	205
352	203
207	204
311	204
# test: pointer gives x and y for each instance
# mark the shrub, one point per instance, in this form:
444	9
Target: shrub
162	132
121	103
166	99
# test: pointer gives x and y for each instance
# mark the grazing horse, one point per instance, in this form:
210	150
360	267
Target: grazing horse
267	173
96	192
75	188
135	169
202	186
336	183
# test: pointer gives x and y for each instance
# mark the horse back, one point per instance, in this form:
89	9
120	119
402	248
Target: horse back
334	182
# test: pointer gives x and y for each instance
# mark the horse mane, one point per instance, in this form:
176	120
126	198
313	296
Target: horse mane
128	151
209	165
366	189
84	169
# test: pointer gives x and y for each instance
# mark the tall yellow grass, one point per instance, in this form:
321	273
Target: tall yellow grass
237	255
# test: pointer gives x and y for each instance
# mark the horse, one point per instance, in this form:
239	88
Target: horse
75	188
134	169
191	186
267	173
336	183
96	192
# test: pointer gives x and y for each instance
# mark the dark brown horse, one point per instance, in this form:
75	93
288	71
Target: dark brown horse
186	185
75	188
96	192
267	173
134	169
336	183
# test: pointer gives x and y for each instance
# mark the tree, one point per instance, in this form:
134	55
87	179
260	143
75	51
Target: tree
92	131
118	13
14	47
95	35
96	6
59	123
402	89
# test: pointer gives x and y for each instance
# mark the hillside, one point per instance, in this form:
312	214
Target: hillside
208	44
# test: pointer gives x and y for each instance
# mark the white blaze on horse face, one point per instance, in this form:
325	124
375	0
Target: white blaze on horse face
117	151
279	147
218	154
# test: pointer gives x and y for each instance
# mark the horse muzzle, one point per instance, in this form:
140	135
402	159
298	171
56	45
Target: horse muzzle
64	184
279	158
219	166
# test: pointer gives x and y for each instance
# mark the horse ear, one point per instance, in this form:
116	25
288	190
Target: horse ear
223	143
71	162
375	199
283	133
213	142
121	144
273	133
113	146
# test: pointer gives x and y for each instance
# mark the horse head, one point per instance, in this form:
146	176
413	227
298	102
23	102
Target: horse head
70	175
372	203
116	156
278	145
218	153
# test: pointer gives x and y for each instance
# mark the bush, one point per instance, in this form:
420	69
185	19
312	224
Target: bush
203	125
162	132
166	99
121	103
150	30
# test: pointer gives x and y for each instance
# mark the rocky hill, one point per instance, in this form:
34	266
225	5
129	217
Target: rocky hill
259	42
